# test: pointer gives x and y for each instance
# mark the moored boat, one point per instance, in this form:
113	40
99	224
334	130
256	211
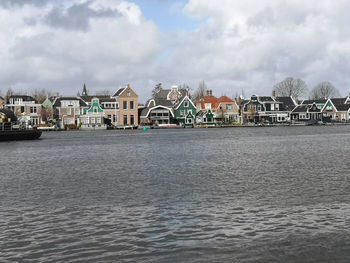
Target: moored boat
10	130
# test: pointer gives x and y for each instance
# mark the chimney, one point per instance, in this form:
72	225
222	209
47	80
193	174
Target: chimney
208	92
274	94
211	92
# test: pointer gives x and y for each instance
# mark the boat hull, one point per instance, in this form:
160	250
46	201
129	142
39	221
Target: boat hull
14	135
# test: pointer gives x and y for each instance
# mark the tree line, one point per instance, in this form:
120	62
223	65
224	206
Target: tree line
289	87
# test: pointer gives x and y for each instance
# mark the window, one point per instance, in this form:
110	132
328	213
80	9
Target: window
186	103
189	120
190	112
125	105
125	117
109	117
131	105
229	106
115	118
182	113
95	110
32	109
22	109
128	94
98	120
132	121
69	111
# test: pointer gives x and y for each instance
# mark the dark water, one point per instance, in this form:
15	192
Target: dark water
199	195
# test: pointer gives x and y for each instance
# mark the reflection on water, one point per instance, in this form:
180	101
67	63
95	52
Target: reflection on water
206	195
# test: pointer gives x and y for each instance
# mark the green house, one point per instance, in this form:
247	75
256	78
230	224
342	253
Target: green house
185	112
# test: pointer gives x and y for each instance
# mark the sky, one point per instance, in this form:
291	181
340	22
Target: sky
236	47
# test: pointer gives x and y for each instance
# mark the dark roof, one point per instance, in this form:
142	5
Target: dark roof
310	102
265	98
162	94
1	98
163	102
24	97
118	92
287	103
107	100
301	108
57	103
201	113
339	104
9	114
88	99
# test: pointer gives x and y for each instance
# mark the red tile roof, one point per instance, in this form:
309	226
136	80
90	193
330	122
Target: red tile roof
214	101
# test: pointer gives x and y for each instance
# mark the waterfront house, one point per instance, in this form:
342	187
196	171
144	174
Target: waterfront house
205	118
269	109
93	117
127	104
262	109
26	108
337	110
68	110
160	110
224	109
306	112
185	112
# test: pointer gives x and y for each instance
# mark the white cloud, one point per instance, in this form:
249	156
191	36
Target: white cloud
106	51
248	45
254	44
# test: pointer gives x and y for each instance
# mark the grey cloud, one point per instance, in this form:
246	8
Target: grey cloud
77	16
16	3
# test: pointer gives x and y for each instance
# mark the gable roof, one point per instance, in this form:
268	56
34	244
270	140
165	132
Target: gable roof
225	99
118	92
288	104
339	104
162	94
182	100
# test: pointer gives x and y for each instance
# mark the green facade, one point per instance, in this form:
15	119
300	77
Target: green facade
185	113
95	107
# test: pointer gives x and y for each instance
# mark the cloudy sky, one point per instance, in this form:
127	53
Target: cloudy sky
232	45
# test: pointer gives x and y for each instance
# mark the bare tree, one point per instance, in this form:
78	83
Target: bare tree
324	90
41	94
8	94
156	89
290	87
201	91
185	90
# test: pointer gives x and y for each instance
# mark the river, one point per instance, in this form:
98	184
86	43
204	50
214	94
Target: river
275	194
